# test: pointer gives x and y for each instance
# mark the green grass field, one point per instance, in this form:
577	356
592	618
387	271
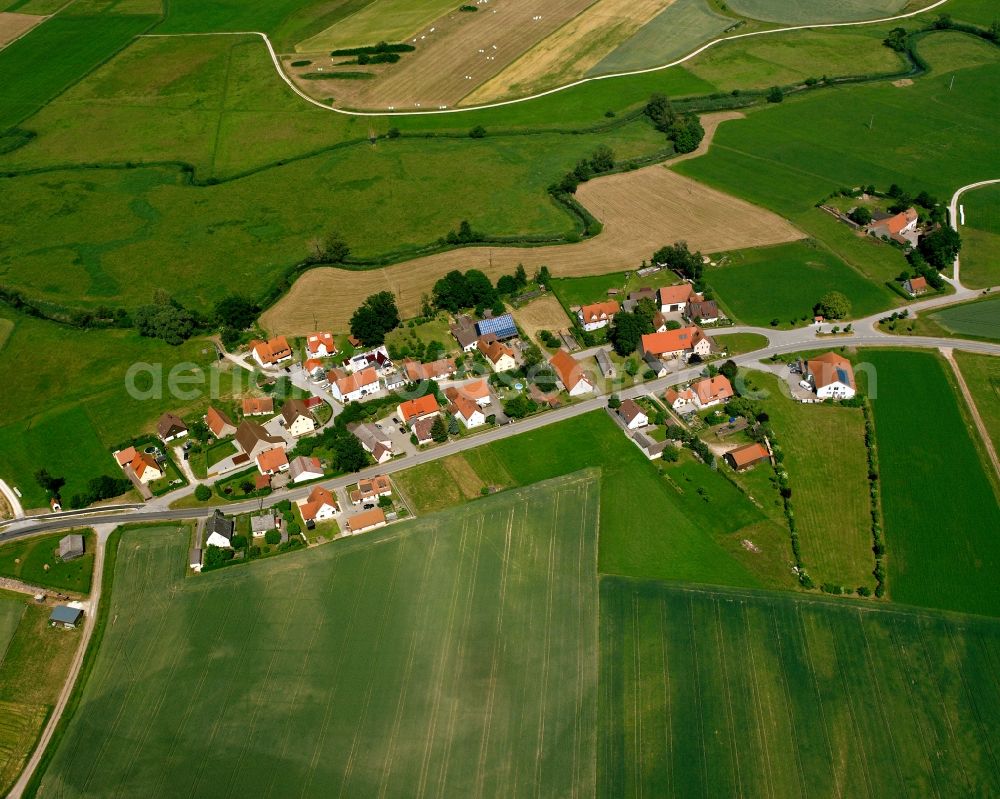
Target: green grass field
482	621
941	510
974	319
11	611
784	282
806	11
725	693
788	58
677	30
56	54
685	523
825	458
38	552
739	343
981	237
391	21
982	376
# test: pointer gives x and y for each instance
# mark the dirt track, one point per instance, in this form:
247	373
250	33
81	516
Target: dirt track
641	211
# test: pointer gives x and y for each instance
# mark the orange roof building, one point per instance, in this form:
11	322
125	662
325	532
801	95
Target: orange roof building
220	424
419	408
320	345
746	456
713	390
683	342
436	370
598	314
570	373
356	385
257	406
272	351
478	391
674	298
366	520
272	461
831	375
320	505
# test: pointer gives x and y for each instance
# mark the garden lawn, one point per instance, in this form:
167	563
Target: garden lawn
54	55
941	511
785	282
739	343
481	623
980	267
826	460
982	376
38	552
738	693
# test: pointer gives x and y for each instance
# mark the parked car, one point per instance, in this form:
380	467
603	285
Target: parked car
402	429
395	420
369	506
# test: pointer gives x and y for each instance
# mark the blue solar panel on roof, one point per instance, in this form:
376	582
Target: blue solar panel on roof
500	326
842	376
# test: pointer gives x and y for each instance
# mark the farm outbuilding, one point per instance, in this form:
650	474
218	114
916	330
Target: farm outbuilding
71	546
65	616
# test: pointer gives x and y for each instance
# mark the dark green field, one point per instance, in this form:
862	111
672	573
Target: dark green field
784	283
982	376
450	656
981	237
975	320
941	511
28	558
724	693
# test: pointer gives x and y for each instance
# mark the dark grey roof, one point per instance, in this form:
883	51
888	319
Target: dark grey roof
71	544
217	523
195	556
65	614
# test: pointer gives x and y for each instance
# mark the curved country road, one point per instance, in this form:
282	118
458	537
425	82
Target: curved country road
953	213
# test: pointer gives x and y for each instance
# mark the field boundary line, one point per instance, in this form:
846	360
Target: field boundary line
733	747
668	726
984	433
755	692
501	103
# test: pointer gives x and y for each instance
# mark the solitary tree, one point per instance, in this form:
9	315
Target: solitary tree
833	305
860	215
438	430
375	317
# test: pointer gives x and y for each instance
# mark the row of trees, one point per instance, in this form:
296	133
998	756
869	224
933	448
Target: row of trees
678	258
684	130
601	160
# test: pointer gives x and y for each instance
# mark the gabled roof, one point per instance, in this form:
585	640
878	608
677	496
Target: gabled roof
249	434
598	311
492	349
918	284
356	381
125	456
475	390
303	464
219	524
464	331
671	295
293	409
894	224
464	407
373	486
685	395
713	388
271	350
314	503
830	368
312	364
217	421
416	371
502	326
272	460
255	405
315	340
568	369
703	309
170	424
421	406
422	429
680	340
143	461
367	518
629	410
748	453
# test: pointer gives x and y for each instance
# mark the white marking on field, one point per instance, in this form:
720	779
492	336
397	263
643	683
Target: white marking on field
961	214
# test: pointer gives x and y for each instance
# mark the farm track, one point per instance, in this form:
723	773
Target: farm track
984	433
276	61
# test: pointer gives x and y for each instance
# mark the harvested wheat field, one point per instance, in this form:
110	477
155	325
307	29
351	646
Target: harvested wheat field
545	313
464	51
641	211
572	50
13	26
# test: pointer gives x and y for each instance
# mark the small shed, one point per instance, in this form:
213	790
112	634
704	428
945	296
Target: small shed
605	364
194	559
71	546
65	616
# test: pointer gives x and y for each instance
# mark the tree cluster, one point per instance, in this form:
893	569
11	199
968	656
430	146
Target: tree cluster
519	406
684	130
464	235
99	488
471	289
374	318
678	258
166	319
833	305
508	284
940	247
601	160
896	40
346	452
52	485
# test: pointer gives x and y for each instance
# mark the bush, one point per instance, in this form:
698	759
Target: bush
238	541
478	132
775	95
272	537
203	493
294	528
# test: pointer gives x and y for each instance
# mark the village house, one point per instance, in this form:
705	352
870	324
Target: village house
303	469
675	298
570	373
258	406
297	417
413	410
633	415
746	456
319	506
831	376
633	298
374	441
655	365
219	531
683	401
271	352
499	356
125	456
393	380
253	439
366	520
436	370
314	368
712	391
915	286
660	323
170	426
465	333
219	424
502	327
681	343
422	430
272	461
476	390
353	387
71	547
598	315
702	312
146	468
371	489
605	365
467	412
901	227
262	523
377	358
320	345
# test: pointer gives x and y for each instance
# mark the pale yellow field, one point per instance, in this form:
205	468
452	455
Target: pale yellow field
572	50
545	313
14	25
641	211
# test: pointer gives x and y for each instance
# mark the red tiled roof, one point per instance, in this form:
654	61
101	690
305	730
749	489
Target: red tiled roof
315	340
568	369
272	460
216	420
365	519
493	349
416	371
418	407
747	454
830	368
273	349
355	381
679	340
713	388
671	295
256	405
599	310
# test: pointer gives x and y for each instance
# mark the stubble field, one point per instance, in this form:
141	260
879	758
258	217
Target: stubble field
480	623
